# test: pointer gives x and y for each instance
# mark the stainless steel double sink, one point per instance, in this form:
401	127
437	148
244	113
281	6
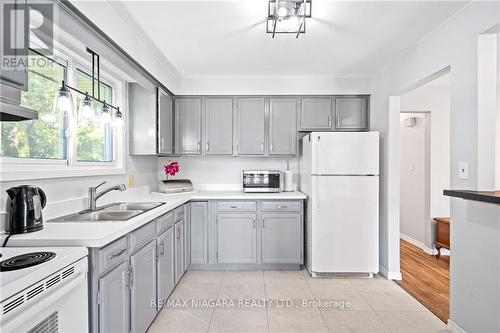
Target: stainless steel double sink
115	212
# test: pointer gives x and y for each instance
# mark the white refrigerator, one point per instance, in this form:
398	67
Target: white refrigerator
339	173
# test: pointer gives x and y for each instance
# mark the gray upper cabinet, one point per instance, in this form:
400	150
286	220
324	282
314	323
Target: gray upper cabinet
142	287
165	265
281	236
282	126
219	126
17	75
351	113
114	301
251	126
236	239
165	120
199	232
179	250
316	113
188	126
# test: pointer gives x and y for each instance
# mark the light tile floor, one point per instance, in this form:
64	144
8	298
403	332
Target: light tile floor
288	301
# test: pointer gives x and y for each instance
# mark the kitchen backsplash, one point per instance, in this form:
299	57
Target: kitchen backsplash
223	173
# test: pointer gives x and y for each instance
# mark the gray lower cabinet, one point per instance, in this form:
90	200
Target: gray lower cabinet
165	124
143	287
199	232
219	126
179	250
351	113
188	126
236	238
165	265
281	235
113	308
282	126
251	113
315	114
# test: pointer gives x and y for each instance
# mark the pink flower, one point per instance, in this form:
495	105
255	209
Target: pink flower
172	168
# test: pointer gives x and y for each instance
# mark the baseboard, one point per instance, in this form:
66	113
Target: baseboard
390	275
454	328
420	245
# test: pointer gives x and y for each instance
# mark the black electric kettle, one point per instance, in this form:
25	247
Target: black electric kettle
24	208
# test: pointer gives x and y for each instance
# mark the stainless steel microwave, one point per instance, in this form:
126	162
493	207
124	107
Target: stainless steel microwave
262	181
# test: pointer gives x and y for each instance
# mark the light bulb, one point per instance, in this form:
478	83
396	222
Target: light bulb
64	101
282	12
105	115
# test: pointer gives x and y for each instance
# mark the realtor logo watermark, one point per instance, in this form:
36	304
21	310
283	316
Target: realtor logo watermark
20	21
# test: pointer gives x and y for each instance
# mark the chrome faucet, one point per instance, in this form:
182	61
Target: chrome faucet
93	195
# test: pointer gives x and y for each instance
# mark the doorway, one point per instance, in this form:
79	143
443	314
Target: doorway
424	135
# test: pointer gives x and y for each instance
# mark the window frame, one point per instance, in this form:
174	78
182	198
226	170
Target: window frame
18	168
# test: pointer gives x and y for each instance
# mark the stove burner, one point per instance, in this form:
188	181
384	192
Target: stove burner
25	260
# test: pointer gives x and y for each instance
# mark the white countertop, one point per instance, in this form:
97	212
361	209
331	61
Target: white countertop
96	234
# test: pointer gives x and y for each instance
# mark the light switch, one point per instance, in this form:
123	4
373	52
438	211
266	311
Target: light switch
130	181
463	170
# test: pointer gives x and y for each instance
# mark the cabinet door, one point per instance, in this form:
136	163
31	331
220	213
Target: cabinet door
143	287
114	304
188	126
236	239
15	75
251	126
179	250
283	126
281	238
316	114
165	276
165	119
187	236
351	113
219	126
199	232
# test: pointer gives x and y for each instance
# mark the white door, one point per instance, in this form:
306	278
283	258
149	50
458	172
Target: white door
345	153
345	224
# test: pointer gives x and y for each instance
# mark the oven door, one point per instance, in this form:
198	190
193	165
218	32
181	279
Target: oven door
64	309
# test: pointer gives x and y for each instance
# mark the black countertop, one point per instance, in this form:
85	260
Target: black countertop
484	196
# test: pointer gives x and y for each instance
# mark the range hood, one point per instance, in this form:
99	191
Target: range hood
10	108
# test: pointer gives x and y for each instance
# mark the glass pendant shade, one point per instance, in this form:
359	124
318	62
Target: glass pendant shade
86	114
105	115
64	101
117	121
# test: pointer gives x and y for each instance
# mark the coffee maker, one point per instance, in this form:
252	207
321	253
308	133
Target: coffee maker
24	208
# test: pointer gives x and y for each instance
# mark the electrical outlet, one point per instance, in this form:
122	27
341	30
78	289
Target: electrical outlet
130	180
412	166
463	170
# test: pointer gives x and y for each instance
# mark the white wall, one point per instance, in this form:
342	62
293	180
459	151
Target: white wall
436	100
452	45
224	172
415	177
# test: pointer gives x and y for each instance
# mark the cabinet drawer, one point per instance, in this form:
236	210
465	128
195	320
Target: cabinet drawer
142	235
244	206
179	213
281	206
165	222
112	254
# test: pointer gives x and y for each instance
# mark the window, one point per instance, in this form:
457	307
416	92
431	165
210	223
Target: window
56	145
42	138
94	142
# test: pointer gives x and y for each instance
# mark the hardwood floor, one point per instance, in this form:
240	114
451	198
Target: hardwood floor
426	278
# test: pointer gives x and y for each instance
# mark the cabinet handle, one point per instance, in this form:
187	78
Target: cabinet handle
116	254
263	223
338	120
207	147
329	121
254	222
234	207
162	248
271	147
198	146
282	207
261	147
131	277
162	144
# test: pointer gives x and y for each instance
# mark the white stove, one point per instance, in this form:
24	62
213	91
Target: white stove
43	289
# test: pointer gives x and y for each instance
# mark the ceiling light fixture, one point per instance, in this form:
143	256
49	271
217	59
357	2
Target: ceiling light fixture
86	113
287	16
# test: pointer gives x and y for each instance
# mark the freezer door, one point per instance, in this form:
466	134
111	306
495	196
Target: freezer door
352	153
345	236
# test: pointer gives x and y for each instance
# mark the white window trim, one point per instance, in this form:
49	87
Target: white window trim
14	169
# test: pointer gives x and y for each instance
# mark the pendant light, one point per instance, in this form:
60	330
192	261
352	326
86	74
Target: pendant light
105	114
117	121
64	101
86	114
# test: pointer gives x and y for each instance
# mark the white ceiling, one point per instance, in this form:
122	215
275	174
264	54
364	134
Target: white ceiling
227	38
